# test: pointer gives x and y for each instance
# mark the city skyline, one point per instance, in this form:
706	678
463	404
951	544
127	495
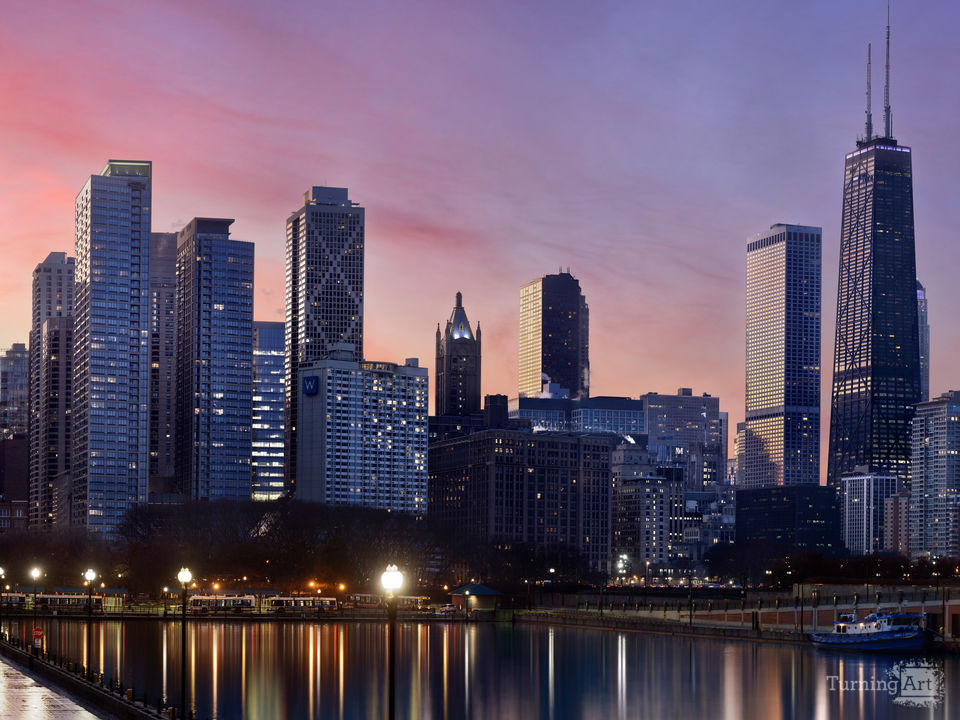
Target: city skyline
604	153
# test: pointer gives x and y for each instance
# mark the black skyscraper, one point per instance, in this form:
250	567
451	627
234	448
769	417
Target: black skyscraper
876	376
458	365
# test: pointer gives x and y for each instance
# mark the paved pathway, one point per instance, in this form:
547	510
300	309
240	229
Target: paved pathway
23	698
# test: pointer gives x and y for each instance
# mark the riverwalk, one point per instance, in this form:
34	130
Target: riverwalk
22	697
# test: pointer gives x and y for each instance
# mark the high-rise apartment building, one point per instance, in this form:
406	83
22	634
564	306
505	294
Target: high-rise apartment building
782	422
267	458
923	332
876	372
863	511
110	457
324	268
687	428
364	433
214	361
163	365
49	431
458	365
14	390
935	476
554	336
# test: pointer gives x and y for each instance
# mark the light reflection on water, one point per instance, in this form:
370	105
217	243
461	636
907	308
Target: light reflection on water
454	670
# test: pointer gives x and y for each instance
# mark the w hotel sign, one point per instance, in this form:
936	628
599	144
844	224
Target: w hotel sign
311	385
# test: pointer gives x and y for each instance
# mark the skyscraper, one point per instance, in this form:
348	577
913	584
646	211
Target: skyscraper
163	366
51	381
923	329
554	336
458	365
111	355
324	293
782	427
876	372
214	361
14	390
267	459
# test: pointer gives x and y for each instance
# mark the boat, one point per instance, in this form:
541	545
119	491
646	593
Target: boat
895	632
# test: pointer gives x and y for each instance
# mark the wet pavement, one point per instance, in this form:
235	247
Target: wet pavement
23	698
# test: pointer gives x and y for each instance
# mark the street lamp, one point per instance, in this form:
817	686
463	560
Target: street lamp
35	574
184	576
392	580
90	575
2	577
646	576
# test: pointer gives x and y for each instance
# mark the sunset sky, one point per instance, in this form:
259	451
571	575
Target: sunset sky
637	143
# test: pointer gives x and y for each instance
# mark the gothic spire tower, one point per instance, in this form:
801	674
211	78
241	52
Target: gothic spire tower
876	372
458	365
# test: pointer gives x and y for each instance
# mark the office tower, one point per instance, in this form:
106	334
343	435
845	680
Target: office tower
876	372
862	511
923	334
325	241
687	427
935	476
782	425
163	365
784	519
458	365
267	458
14	390
548	490
554	336
13	482
214	361
364	433
51	382
621	415
110	458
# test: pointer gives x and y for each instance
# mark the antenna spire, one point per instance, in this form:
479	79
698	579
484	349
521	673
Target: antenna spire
887	115
869	98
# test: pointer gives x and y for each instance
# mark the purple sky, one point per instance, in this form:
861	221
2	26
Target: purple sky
638	144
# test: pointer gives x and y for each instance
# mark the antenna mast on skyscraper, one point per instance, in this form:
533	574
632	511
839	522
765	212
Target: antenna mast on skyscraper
887	115
869	99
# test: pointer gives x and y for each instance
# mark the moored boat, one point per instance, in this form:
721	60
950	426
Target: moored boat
895	632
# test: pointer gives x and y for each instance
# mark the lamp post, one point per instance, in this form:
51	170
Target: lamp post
2	578
646	576
392	580
90	575
184	576
35	574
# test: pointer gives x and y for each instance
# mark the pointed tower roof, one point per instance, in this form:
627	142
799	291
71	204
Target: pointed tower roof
458	326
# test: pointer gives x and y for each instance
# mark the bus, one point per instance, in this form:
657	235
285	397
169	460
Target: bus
14	600
206	604
364	600
69	602
282	604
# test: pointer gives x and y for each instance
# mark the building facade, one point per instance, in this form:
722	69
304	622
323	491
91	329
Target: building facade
554	336
896	524
543	489
785	519
268	394
602	414
863	511
163	365
688	428
782	425
935	476
214	361
458	365
364	433
923	330
324	296
110	459
14	390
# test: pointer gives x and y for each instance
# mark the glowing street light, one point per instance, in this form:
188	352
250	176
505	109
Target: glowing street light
35	574
391	580
90	575
184	576
3	575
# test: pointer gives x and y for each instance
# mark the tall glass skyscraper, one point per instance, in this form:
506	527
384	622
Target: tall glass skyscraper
268	382
554	336
781	442
324	266
876	370
215	361
111	359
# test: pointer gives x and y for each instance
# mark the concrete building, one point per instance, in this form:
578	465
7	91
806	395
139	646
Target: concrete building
324	274
935	475
457	369
364	433
688	428
789	518
863	506
782	426
163	362
214	362
555	411
896	524
268	394
544	489
554	336
110	458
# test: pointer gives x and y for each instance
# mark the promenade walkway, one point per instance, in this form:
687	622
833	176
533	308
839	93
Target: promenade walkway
23	698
